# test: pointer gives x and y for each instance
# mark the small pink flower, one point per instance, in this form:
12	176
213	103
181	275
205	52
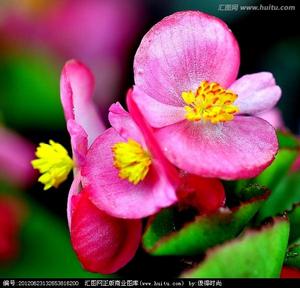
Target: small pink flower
83	121
185	71
103	243
126	173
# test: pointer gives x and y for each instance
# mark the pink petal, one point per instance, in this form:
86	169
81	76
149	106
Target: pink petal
150	139
207	195
274	117
102	243
77	85
256	92
182	50
15	156
74	190
157	113
79	142
119	197
122	122
237	149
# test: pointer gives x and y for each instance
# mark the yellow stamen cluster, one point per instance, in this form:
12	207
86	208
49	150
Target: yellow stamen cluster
210	102
53	163
131	160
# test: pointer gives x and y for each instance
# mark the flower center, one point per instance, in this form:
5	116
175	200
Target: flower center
210	102
131	160
53	162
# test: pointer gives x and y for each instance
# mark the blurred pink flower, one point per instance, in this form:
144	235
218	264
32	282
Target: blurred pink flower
98	32
75	27
12	214
15	155
204	129
92	29
103	243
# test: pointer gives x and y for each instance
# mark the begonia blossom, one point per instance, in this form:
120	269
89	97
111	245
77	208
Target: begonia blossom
127	165
185	73
102	242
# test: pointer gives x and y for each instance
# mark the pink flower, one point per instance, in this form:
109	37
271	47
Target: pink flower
95	16
102	243
136	180
125	171
55	23
15	156
142	191
185	70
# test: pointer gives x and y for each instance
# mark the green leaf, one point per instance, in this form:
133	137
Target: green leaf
287	140
272	176
257	254
45	249
292	258
158	227
294	217
206	231
282	197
